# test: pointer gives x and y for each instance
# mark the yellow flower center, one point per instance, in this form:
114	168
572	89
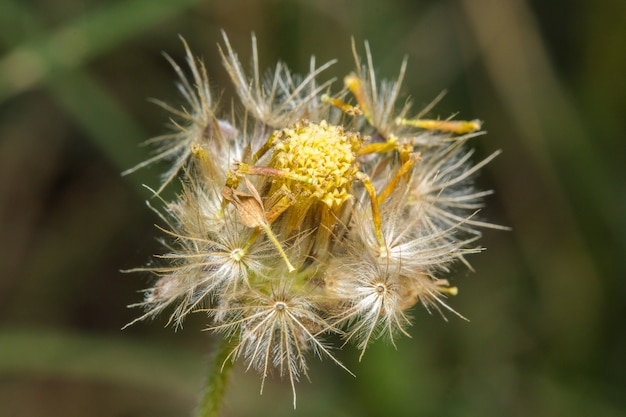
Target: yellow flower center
321	159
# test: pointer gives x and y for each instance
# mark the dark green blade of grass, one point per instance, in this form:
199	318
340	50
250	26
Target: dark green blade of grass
54	353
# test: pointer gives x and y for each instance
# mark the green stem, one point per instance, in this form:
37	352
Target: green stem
216	381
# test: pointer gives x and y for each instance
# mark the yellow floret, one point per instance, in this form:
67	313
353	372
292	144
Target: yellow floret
322	154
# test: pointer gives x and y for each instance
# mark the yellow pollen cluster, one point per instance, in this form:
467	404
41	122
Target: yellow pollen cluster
321	161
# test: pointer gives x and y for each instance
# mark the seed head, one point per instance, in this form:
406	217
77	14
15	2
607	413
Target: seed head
310	213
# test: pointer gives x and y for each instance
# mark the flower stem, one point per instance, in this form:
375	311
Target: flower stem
216	381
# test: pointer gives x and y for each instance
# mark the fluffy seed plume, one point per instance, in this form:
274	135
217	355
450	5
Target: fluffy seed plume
309	212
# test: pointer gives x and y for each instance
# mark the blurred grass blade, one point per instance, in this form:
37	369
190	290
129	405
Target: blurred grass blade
31	63
41	352
105	122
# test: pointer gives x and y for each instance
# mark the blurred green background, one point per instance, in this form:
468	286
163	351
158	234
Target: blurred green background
546	335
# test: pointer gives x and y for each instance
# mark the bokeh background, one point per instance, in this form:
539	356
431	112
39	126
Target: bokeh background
546	335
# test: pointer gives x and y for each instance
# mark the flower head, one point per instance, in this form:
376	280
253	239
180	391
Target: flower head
310	213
